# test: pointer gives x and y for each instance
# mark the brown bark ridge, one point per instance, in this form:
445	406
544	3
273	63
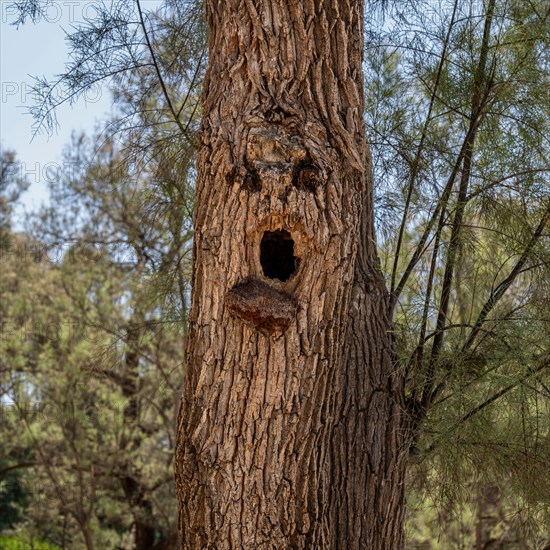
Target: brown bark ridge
290	427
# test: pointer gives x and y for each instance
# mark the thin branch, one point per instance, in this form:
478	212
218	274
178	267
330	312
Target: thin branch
503	286
418	354
502	392
500	181
159	75
441	204
416	161
495	397
8	469
481	90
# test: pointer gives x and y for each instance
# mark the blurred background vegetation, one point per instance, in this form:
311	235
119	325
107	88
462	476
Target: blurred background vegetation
95	286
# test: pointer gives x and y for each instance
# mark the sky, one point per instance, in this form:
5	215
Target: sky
40	50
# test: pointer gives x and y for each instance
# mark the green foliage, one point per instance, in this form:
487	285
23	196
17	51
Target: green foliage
458	102
12	185
94	301
21	543
12	497
89	396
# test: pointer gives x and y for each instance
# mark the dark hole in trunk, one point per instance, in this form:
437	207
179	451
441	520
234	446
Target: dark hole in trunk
277	255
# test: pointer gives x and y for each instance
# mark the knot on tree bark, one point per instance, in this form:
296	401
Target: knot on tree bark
257	303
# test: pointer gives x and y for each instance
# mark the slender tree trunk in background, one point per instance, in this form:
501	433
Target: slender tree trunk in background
130	475
290	432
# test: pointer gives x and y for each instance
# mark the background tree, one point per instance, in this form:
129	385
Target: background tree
92	371
116	248
459	115
12	185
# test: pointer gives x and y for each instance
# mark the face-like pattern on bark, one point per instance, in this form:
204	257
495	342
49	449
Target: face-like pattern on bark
281	190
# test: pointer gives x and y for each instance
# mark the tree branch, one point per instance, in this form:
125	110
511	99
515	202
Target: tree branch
8	469
159	75
504	285
416	161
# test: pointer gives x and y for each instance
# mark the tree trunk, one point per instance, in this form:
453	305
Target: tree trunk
290	431
130	474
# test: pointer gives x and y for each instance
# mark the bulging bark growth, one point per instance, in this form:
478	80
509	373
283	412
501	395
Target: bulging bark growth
290	430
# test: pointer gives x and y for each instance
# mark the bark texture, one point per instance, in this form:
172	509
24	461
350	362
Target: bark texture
290	429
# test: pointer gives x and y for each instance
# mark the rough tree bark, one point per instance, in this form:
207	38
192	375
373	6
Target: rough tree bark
290	432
